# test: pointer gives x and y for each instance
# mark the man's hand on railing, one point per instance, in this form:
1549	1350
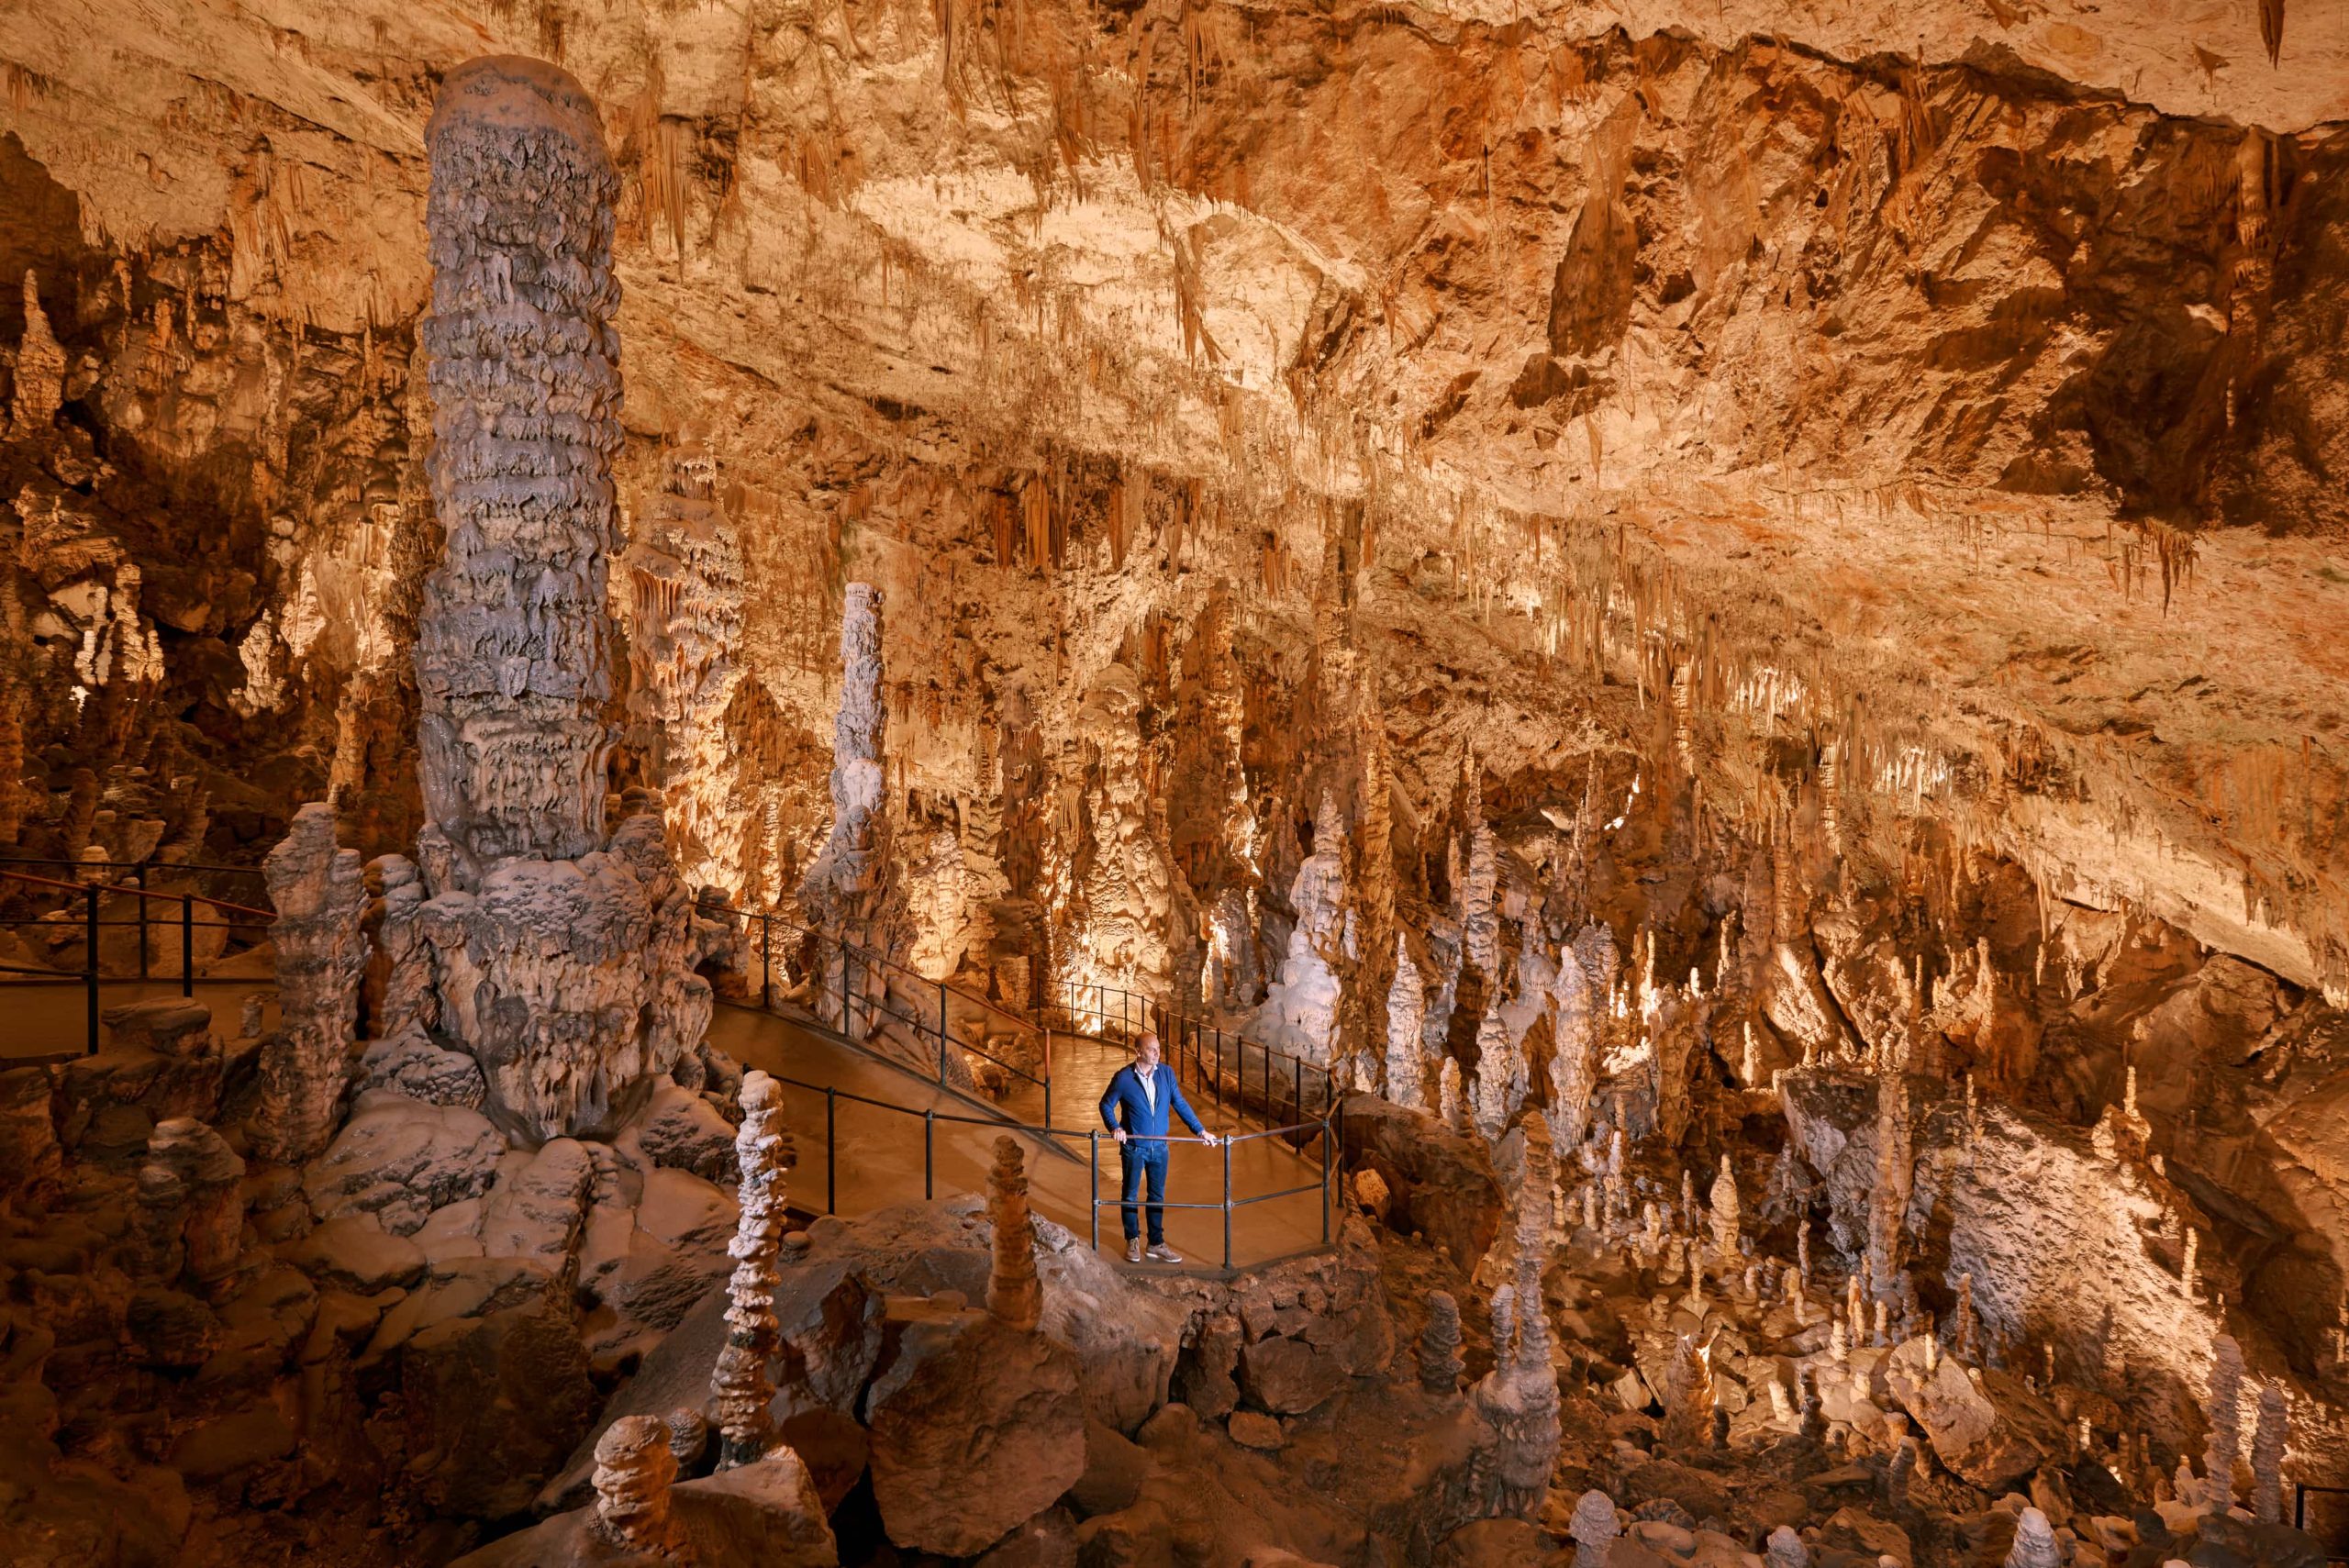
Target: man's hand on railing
1209	1138
1118	1133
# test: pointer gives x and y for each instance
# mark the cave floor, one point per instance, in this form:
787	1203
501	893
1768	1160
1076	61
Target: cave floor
877	1153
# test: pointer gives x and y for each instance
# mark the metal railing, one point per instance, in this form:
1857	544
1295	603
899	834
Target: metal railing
805	961
800	958
89	895
1329	1133
1216	1058
2327	1522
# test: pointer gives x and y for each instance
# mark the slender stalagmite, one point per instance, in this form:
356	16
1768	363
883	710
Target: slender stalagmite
1013	1293
740	1392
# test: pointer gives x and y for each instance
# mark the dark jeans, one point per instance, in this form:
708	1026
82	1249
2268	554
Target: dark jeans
1144	1159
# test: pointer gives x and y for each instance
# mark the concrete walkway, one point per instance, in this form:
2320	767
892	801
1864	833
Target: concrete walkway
878	1159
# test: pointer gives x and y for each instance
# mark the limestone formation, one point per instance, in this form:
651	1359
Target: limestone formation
845	888
206	1217
1593	1530
741	1394
1887	1210
1439	1351
2268	1440
1519	1399
634	1470
2035	1545
39	370
1406	1082
562	957
1785	1549
1727	1248
321	953
1013	1293
2223	1408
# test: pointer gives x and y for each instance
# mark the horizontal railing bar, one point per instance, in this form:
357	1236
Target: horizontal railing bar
84	887
1031	1127
1285	1192
133	865
867	955
916	1021
80	924
1138	1203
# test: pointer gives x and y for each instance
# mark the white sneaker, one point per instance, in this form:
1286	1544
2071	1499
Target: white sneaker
1163	1253
1133	1249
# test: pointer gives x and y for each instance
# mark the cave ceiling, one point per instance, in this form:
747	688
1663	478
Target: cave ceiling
1966	378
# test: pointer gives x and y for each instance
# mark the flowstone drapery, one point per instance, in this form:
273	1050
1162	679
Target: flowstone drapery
564	958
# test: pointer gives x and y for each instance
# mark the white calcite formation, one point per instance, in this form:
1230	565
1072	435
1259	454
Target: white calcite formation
740	1391
1407	1074
848	891
321	953
685	604
563	956
1299	1016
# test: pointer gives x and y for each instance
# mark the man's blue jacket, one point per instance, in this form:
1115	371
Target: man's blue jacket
1141	1119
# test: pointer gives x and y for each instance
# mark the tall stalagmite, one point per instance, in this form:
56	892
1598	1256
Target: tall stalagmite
846	890
565	960
740	1390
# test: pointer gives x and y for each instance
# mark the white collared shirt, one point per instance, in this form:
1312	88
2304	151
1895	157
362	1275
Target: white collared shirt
1149	1077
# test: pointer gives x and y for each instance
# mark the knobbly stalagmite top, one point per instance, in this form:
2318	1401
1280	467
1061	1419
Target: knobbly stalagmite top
513	649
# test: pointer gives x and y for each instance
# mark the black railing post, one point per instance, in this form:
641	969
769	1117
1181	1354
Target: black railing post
90	969
848	990
766	970
831	1143
942	1034
187	944
1218	1067
1093	1185
1227	1203
140	898
929	1157
1325	1181
1296	1089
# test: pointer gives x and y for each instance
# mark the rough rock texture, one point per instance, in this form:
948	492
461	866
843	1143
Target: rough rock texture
563	959
319	897
977	1425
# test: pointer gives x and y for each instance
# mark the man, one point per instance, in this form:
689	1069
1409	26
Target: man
1136	1110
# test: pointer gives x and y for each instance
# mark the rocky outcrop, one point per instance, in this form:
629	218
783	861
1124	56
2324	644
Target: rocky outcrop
321	953
976	1426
